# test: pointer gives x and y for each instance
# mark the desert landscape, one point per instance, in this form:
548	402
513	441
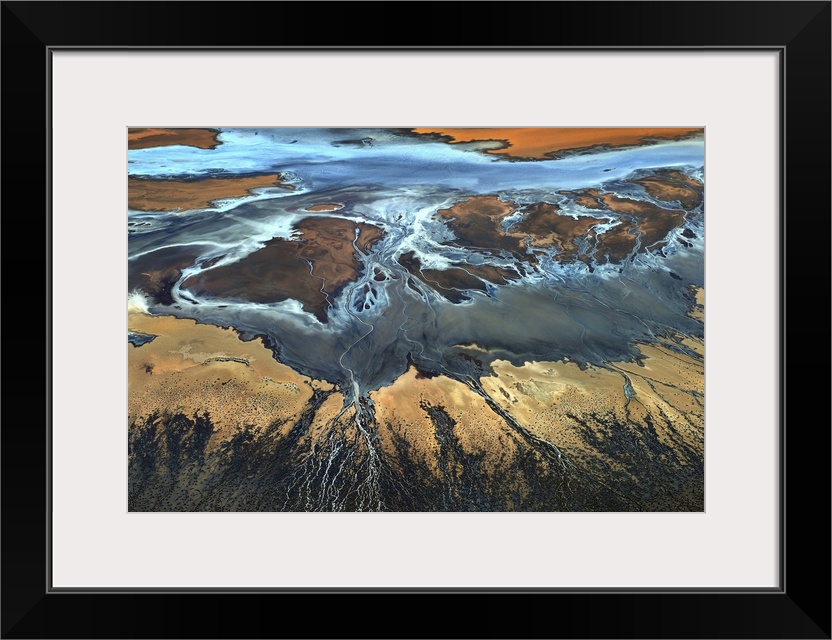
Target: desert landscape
427	319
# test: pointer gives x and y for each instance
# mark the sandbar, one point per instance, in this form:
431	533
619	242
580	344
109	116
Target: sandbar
141	138
170	195
546	143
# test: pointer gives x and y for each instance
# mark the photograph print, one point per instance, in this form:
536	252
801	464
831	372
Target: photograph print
433	319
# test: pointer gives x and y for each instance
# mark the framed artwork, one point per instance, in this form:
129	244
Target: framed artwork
421	320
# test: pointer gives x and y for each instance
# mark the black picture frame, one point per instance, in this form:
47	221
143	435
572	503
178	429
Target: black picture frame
799	608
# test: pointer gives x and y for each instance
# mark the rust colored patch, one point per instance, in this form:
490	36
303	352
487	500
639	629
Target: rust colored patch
616	244
669	189
310	269
169	195
141	138
155	273
329	247
650	221
588	202
451	282
368	237
547	143
494	275
328	206
447	282
490	207
476	225
583	199
681	177
547	228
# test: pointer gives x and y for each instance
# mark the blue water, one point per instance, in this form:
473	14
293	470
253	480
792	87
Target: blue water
398	161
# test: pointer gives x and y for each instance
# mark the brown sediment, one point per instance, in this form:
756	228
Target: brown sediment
449	282
588	202
654	223
170	195
452	281
650	221
476	225
142	138
681	177
489	207
369	236
328	245
192	368
605	437
155	273
492	274
272	274
547	228
329	206
668	189
281	270
616	244
586	260
546	143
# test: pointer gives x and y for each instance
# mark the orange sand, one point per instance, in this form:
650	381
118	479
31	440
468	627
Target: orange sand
543	143
167	195
138	138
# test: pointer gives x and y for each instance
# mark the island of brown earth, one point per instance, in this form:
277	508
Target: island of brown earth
184	195
582	199
673	186
144	138
326	206
476	225
555	142
545	227
311	269
155	273
454	281
651	222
